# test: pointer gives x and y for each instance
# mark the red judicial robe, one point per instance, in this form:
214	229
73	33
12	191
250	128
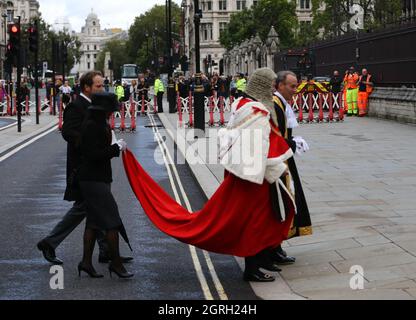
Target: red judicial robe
238	219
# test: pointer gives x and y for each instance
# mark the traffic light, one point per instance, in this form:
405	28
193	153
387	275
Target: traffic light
33	39
13	47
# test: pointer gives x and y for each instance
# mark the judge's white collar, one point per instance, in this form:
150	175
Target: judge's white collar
292	122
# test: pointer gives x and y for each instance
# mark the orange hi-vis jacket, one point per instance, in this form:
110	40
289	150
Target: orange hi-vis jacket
369	87
351	80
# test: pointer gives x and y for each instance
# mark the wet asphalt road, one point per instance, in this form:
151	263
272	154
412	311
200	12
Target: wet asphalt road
31	191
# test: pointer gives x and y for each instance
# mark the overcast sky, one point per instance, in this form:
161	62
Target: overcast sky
112	13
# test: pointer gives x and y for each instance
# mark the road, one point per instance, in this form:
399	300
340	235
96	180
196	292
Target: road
31	191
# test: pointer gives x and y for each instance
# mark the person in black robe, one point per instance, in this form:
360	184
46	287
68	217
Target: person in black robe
302	224
94	178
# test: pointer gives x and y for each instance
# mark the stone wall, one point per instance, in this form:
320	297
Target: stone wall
394	103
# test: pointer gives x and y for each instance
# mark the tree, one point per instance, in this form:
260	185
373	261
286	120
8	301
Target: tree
335	17
258	20
153	24
119	56
45	35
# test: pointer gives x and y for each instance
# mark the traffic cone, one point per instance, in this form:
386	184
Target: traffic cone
211	111
300	102
321	108
310	105
331	107
9	107
222	120
60	123
27	106
123	118
179	106
190	107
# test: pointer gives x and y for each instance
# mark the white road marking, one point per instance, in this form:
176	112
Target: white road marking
16	150
194	256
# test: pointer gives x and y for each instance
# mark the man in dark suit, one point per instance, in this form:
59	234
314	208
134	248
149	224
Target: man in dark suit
286	86
91	83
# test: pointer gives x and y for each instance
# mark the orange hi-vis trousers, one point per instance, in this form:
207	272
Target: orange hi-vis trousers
362	103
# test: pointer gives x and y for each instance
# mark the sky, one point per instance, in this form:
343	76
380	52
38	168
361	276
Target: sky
112	13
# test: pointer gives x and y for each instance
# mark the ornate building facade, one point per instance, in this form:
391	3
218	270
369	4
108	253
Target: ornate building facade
93	40
10	10
216	16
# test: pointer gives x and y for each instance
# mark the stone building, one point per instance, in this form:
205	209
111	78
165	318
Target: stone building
93	39
216	16
10	10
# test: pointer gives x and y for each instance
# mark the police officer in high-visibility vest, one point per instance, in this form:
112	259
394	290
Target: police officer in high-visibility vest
366	85
159	91
241	85
119	91
351	79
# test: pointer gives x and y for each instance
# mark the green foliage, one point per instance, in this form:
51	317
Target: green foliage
46	35
119	56
258	20
148	28
336	16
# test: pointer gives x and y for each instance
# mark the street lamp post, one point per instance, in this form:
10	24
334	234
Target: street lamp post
199	88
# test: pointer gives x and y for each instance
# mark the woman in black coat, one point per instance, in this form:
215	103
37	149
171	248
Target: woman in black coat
95	178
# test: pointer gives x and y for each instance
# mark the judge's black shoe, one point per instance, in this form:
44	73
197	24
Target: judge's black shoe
106	259
258	276
49	253
280	259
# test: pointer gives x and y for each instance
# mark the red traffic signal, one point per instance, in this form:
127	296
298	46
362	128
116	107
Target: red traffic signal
14	29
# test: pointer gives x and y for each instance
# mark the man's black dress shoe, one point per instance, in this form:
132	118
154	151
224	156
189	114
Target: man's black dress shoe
271	266
106	259
280	259
49	253
258	276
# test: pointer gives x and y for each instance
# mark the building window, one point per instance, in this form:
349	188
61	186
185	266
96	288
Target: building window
255	3
241	4
88	56
206	31
93	23
305	26
10	15
88	47
222	5
305	4
207	6
223	26
89	66
95	47
95	56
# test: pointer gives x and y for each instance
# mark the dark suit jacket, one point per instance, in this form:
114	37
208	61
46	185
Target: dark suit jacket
74	116
96	150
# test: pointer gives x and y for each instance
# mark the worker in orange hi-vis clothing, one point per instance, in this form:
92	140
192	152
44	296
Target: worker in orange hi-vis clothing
351	80
366	85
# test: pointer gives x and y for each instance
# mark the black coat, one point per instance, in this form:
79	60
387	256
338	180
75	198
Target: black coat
74	116
302	222
96	149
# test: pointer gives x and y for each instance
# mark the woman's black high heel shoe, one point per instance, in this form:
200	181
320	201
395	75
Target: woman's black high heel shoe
120	274
91	272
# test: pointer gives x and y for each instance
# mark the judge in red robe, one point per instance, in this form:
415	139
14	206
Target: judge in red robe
240	218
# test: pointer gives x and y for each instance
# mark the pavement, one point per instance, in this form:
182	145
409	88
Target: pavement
360	180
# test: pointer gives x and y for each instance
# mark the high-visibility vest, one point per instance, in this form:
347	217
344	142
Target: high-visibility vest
241	85
159	87
369	88
351	80
120	92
